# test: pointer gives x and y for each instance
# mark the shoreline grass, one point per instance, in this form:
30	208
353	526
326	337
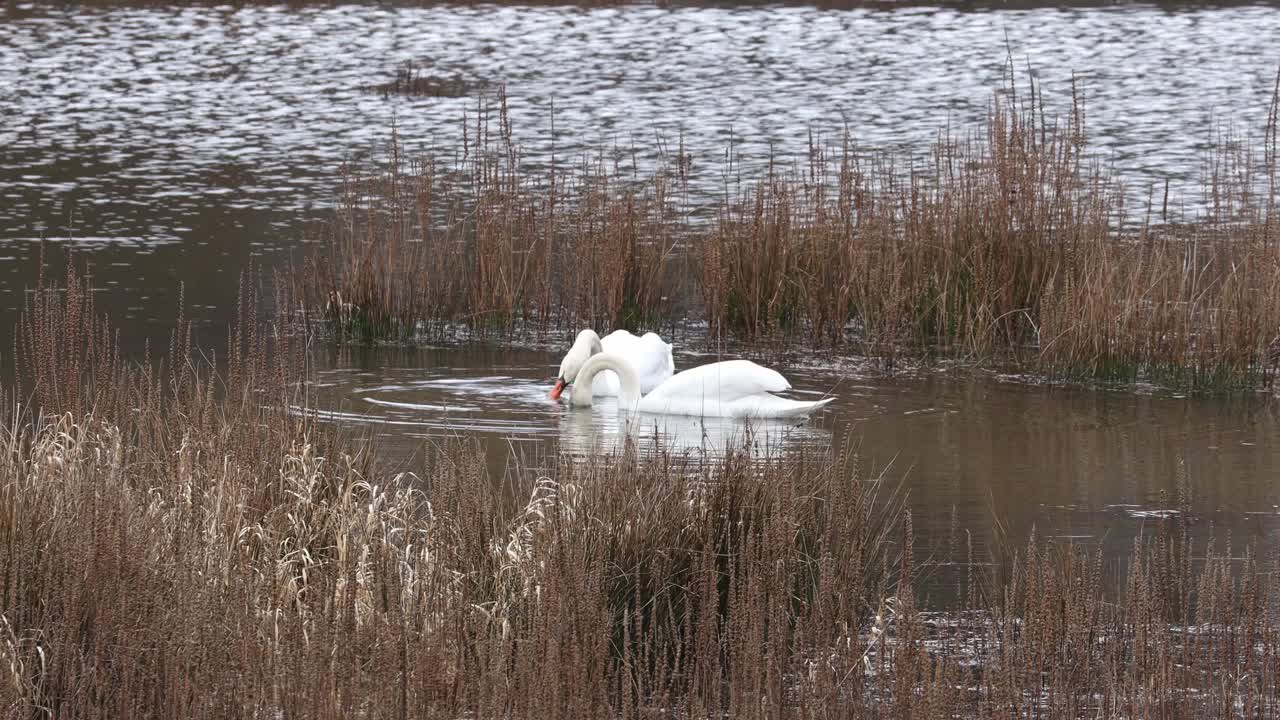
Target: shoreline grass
177	542
1012	246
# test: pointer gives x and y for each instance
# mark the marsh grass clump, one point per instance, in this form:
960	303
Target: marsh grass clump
1010	244
677	585
192	543
1186	634
482	244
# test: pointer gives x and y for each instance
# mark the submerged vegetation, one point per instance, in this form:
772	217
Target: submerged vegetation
1010	245
184	542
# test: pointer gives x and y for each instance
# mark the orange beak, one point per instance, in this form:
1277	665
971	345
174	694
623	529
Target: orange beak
558	389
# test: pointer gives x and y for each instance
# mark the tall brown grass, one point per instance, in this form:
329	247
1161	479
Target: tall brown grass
1189	633
189	543
1011	244
482	243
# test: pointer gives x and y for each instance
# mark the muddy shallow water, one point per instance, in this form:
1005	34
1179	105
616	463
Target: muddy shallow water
178	145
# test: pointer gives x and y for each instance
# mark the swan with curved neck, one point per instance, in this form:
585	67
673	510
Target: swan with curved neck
628	381
732	388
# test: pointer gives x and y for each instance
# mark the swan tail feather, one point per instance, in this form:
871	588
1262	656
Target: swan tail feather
770	406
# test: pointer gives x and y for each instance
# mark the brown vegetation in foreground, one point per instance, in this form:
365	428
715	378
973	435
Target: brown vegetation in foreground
1010	245
184	544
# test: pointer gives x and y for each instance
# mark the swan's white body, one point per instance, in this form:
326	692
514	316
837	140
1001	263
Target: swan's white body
647	354
733	388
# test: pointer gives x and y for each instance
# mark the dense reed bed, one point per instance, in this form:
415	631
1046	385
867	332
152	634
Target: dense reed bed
185	543
478	242
1008	244
180	542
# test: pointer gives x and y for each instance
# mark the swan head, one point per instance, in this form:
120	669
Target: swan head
586	345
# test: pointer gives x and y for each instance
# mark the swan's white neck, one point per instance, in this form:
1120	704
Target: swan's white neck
628	381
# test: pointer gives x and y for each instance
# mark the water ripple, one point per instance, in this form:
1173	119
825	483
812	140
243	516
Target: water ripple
156	111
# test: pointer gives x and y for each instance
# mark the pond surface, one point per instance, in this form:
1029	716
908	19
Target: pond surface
181	144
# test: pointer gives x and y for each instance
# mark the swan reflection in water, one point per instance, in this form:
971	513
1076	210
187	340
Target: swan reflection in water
600	428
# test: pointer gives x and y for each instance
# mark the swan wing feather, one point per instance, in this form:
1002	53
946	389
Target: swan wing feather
724	382
648	354
772	406
733	388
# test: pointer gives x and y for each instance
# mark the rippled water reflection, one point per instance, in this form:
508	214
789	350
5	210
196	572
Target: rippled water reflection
408	396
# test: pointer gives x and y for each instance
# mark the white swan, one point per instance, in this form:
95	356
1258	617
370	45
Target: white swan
733	388
648	355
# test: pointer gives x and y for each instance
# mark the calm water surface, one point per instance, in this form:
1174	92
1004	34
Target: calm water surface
177	145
